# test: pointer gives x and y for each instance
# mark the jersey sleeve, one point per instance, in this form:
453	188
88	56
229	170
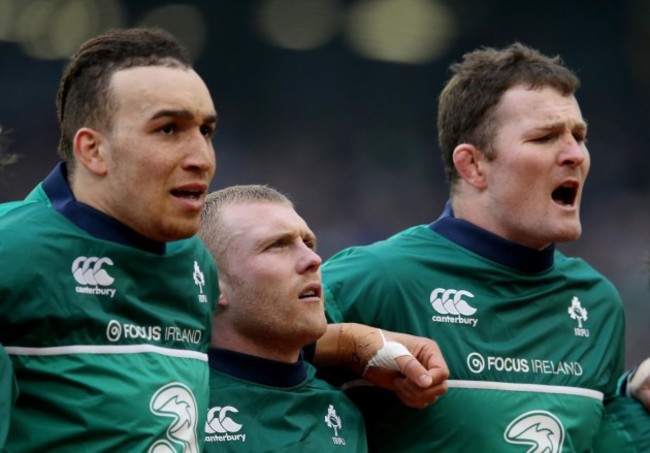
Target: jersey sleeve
625	428
354	285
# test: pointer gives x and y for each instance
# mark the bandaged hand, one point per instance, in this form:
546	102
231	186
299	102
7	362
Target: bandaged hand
386	357
413	367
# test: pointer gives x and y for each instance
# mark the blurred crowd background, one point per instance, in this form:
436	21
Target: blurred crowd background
334	102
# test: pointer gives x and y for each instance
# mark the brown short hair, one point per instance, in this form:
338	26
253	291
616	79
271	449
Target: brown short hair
466	104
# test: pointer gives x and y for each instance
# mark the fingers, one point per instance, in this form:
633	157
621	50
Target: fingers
426	366
423	372
418	397
414	371
411	366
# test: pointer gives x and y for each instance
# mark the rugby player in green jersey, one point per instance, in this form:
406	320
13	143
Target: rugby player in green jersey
533	338
106	295
264	395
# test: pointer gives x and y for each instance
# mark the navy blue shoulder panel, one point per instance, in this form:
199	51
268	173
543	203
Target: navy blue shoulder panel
491	246
89	219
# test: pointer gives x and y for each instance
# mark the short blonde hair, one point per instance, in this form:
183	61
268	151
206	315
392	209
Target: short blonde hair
213	231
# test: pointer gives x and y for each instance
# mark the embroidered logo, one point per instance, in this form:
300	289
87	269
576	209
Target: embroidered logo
333	421
577	312
453	306
199	280
93	278
540	430
220	427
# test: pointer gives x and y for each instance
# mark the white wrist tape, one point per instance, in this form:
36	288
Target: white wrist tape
386	356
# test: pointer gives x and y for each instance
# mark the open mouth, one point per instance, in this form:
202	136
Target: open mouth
566	194
191	194
310	292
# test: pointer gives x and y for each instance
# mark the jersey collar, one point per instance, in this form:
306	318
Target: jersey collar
89	219
491	246
257	369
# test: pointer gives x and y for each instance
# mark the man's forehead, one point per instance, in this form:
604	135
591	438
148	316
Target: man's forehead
163	88
258	212
543	105
265	218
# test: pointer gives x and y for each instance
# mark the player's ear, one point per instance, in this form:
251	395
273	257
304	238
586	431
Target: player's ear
89	147
470	164
224	299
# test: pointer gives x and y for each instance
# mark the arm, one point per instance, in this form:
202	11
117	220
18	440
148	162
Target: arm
411	366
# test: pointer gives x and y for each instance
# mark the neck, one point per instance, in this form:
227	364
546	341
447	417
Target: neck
225	336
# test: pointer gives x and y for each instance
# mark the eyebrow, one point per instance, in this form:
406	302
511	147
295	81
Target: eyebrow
182	114
581	125
290	236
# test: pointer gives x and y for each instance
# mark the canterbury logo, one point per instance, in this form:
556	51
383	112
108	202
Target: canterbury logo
220	422
88	271
451	302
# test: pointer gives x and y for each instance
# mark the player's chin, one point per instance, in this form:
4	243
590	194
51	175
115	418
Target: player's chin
181	229
568	233
315	324
308	331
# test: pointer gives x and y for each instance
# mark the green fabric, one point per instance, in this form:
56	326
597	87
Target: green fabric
108	342
518	358
310	417
626	428
8	394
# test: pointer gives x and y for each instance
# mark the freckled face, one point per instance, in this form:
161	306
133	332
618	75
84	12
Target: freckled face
272	276
535	182
159	151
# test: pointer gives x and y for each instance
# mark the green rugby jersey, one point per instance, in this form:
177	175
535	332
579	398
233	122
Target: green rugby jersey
107	331
259	405
8	394
626	428
533	339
